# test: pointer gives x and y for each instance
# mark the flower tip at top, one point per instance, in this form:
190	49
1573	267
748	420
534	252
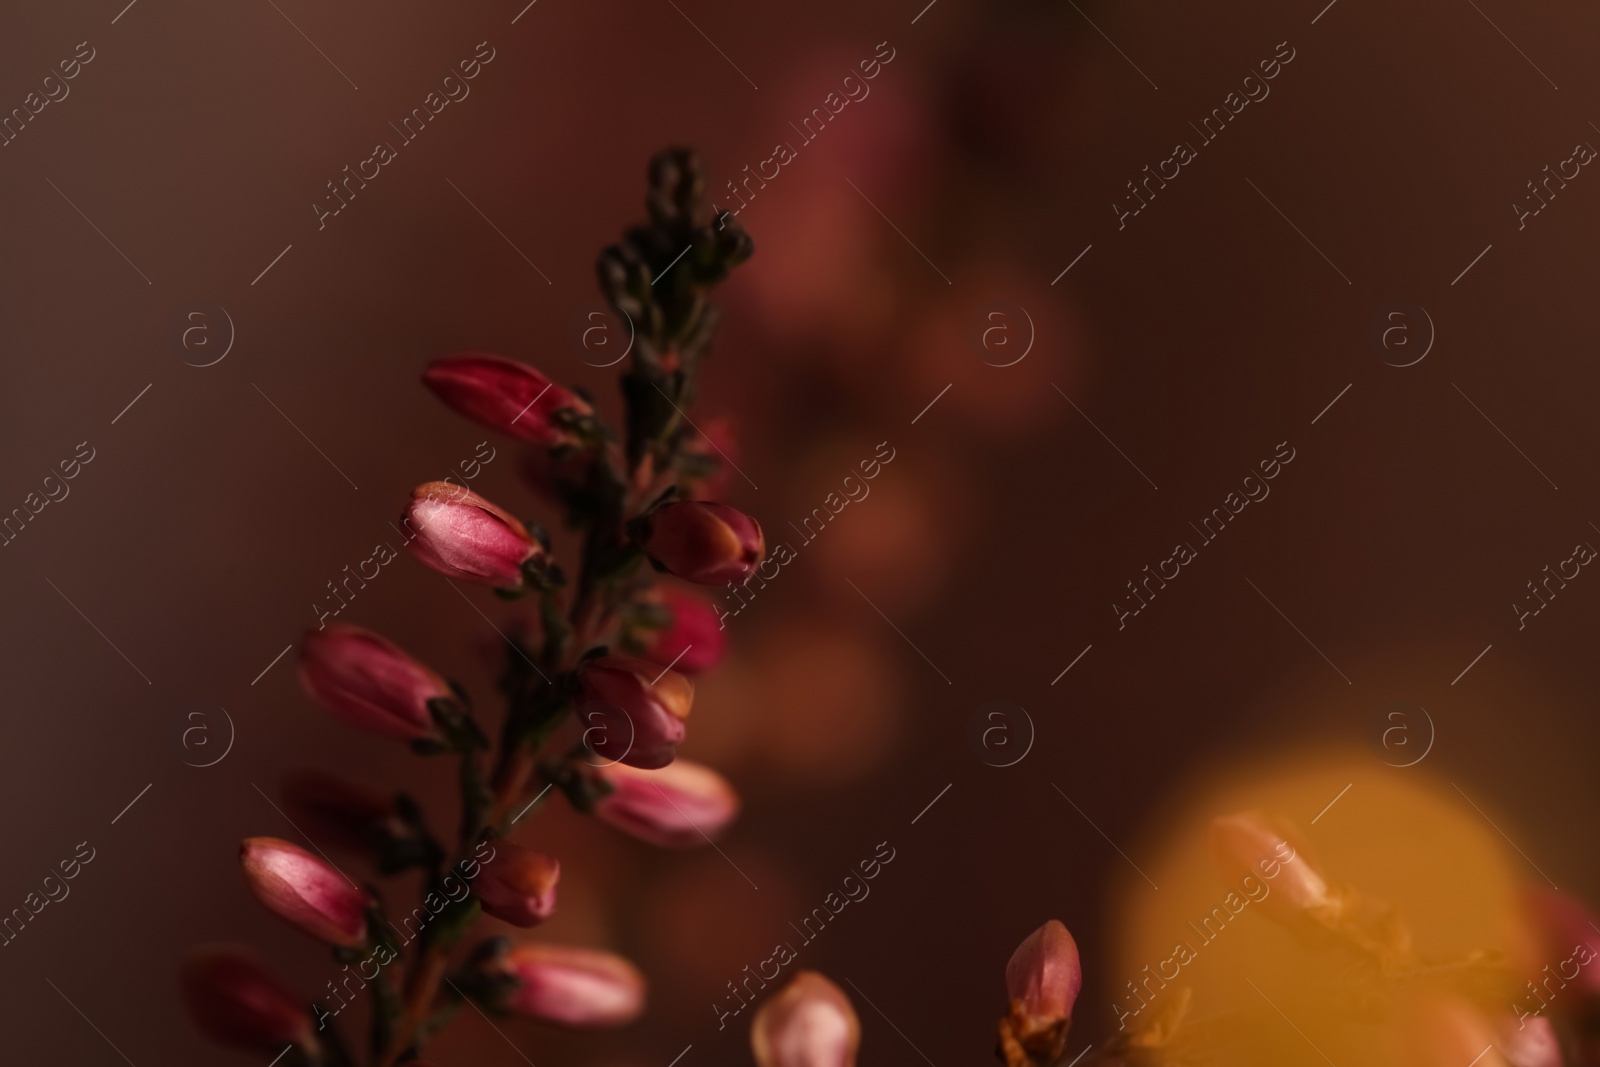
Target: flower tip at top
808	1023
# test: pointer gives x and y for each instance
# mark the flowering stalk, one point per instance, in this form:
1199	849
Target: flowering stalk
638	495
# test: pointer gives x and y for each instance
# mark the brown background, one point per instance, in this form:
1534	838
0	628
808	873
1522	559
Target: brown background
1197	338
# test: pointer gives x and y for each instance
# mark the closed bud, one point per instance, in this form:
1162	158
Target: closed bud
369	682
702	542
518	885
305	891
678	806
510	397
633	710
235	1002
338	812
1266	847
569	986
693	641
460	534
1043	976
807	1023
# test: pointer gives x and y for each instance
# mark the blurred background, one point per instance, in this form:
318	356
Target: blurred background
1141	365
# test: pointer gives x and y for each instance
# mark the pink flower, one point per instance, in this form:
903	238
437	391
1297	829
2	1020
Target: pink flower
236	1002
508	396
304	891
694	641
572	986
1044	974
518	885
369	682
807	1023
1266	848
462	535
702	542
633	710
678	806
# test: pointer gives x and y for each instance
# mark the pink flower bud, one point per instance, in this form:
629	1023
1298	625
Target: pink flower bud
334	811
1044	974
632	710
694	641
304	891
702	542
807	1023
518	885
678	806
235	1002
367	681
1266	847
505	395
462	535
572	986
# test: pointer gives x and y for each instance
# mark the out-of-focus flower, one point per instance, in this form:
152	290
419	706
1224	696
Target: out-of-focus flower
634	711
1008	339
1565	937
834	698
1532	1042
369	682
711	445
571	986
1438	1030
1258	845
304	891
335	811
694	641
236	1002
702	542
678	806
559	479
807	1023
508	396
518	885
1043	975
